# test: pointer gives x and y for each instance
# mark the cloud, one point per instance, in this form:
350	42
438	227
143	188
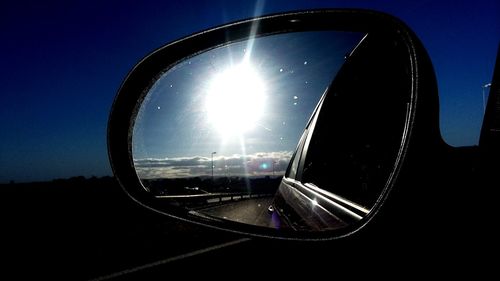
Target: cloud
257	164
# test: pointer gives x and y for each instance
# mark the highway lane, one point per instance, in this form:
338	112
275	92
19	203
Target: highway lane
91	229
250	211
68	231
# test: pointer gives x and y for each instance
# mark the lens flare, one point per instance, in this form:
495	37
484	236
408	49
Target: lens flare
235	100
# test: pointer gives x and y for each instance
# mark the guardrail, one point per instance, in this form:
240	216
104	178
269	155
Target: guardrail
211	198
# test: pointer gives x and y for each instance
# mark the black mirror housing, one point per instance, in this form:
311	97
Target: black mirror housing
397	206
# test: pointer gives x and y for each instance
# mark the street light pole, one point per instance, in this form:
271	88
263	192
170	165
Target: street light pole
213	165
484	97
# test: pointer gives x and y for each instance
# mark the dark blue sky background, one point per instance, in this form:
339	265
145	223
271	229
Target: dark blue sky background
62	63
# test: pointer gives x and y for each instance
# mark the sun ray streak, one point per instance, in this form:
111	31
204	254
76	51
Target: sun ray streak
259	7
244	150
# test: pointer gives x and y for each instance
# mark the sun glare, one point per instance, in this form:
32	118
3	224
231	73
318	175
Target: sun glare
235	100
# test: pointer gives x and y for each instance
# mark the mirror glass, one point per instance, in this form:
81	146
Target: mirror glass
216	133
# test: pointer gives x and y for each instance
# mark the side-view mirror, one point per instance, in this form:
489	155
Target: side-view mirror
307	125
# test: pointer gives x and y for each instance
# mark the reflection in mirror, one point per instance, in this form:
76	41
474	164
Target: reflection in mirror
215	134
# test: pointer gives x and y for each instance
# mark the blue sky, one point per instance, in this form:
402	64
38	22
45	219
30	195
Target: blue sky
62	63
249	102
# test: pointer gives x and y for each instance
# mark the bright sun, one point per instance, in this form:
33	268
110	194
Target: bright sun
235	100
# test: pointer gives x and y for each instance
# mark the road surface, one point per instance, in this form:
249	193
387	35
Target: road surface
250	211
